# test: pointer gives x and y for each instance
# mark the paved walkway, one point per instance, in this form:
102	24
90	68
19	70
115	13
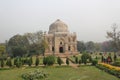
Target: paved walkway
70	63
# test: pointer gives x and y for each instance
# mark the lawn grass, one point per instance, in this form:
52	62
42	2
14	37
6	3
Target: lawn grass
60	73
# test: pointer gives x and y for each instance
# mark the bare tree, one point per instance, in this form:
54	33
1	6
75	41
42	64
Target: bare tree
114	35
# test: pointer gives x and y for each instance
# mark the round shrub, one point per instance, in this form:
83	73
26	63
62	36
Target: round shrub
49	60
35	75
85	57
94	62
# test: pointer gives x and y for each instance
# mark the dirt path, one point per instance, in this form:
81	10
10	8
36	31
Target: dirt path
70	63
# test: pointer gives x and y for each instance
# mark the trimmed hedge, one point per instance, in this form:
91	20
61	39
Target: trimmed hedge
108	70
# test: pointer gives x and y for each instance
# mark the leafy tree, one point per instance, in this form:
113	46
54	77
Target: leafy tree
17	45
37	61
59	60
37	42
44	46
107	46
18	51
27	44
114	35
67	61
90	46
81	46
2	49
97	47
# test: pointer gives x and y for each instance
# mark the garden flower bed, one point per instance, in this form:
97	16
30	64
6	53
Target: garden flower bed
110	69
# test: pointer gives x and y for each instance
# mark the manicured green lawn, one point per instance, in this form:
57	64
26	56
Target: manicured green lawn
60	73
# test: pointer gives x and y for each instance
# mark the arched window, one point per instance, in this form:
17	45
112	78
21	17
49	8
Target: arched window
60	42
52	48
68	48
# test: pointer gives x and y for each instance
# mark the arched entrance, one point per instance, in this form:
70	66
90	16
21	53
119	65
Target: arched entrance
61	49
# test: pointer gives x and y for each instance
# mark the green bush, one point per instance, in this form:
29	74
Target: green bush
9	62
15	60
59	61
67	61
49	60
76	60
37	61
94	62
30	61
85	57
18	62
44	61
35	75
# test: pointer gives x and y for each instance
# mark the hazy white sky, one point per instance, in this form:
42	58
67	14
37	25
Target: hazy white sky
90	19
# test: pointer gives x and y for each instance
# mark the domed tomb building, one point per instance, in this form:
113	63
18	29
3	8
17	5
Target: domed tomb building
60	41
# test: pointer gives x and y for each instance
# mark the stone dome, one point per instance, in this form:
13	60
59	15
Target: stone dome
58	26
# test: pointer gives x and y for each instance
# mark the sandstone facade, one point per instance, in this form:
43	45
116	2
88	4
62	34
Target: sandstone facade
60	40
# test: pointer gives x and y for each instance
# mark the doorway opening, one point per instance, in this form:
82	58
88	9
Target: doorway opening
61	50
